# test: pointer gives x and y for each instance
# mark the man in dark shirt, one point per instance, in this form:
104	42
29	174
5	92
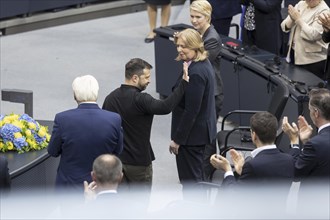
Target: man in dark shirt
137	110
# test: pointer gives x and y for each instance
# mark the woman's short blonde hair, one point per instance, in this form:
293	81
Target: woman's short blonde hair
203	7
192	40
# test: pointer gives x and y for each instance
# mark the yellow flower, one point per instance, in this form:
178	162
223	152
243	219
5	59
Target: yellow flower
42	132
6	120
32	125
32	143
48	137
28	133
18	124
17	135
10	145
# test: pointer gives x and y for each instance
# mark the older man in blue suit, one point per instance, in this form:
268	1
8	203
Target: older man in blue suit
82	134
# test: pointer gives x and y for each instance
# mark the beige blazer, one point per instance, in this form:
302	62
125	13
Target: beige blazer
306	34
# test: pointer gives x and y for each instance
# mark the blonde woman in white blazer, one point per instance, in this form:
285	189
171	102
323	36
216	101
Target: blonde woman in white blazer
306	47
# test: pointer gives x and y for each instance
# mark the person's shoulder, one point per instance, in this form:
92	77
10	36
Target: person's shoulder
111	114
65	113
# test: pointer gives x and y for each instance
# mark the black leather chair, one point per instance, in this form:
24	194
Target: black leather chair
239	138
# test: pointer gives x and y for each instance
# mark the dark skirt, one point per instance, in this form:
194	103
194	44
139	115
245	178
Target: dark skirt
158	2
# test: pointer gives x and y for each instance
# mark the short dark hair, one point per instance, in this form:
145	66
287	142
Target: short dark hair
320	99
107	169
135	67
265	125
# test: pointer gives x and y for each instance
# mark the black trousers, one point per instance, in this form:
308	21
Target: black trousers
222	26
189	163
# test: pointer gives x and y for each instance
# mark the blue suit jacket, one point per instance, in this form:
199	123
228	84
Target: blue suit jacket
313	161
193	119
79	136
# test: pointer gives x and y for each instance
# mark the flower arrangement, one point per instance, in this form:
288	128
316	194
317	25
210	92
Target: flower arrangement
22	133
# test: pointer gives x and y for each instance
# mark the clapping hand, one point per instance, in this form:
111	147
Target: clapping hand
305	130
293	13
291	130
324	20
238	160
220	162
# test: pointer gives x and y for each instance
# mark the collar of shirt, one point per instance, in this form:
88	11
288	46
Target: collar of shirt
323	126
107	191
87	103
189	62
259	149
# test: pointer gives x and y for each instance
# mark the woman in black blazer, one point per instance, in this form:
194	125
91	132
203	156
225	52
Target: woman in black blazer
193	120
200	18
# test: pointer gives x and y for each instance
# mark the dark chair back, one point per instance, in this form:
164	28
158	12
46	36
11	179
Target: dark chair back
279	99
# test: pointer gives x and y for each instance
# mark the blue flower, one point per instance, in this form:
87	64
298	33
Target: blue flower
21	133
39	139
7	132
20	142
27	118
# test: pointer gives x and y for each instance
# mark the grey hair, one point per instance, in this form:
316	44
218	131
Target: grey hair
85	88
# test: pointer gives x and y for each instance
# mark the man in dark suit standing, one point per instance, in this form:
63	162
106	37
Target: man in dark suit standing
269	171
4	176
82	134
312	160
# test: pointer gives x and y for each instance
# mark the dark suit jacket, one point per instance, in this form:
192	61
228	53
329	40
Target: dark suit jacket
4	175
193	119
313	161
212	43
79	136
225	8
268	175
267	167
268	18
